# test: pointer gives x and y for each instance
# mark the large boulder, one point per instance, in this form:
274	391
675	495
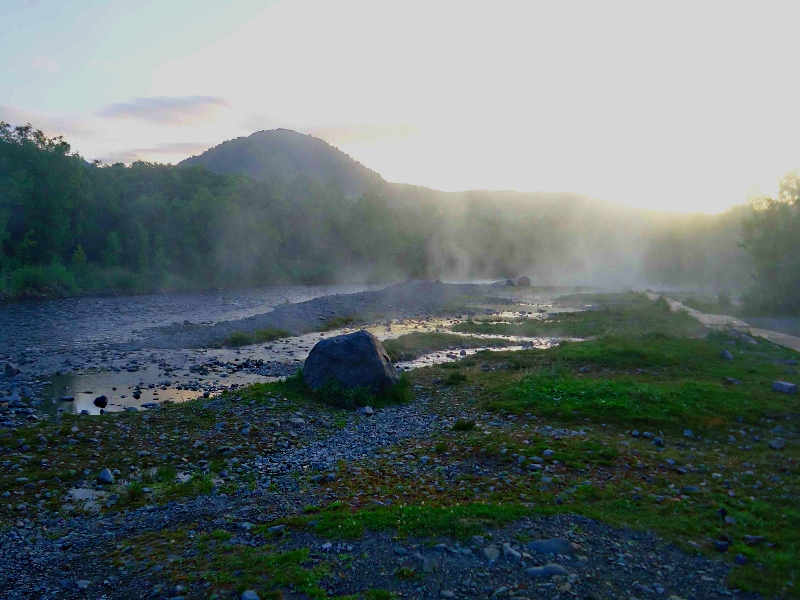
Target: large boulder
524	282
355	360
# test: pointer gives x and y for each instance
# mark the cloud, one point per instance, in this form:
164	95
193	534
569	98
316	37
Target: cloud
161	153
51	126
164	110
363	133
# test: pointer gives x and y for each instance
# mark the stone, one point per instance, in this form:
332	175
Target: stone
721	546
67	398
784	387
752	540
355	360
547	571
777	443
688	433
726	354
366	410
105	476
83	584
101	402
558	545
250	595
523	282
491	553
511	554
11	370
548	453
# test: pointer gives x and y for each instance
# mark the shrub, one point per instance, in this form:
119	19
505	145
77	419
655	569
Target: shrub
464	425
334	394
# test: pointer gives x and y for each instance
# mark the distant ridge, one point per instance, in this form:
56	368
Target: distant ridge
288	154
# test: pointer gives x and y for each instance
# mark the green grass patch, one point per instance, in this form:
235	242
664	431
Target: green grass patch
448	521
334	394
340	323
260	336
634	315
464	425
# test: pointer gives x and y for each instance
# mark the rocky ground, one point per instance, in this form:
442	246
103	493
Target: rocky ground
483	485
53	551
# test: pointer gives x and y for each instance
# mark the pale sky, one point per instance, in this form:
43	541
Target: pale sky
686	106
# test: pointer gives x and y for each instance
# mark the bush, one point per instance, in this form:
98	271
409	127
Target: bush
333	394
260	336
55	279
455	379
464	425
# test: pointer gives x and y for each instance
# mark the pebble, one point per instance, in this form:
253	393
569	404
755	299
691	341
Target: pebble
491	553
249	595
548	570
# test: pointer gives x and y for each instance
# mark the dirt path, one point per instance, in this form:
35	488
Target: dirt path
782	339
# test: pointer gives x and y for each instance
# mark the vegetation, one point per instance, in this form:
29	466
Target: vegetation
772	239
630	314
333	394
260	336
642	429
68	226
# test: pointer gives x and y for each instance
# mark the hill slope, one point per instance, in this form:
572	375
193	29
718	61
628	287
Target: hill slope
285	153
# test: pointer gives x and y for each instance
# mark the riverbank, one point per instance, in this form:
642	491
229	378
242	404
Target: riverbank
648	463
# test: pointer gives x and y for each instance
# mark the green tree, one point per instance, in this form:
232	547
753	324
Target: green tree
772	238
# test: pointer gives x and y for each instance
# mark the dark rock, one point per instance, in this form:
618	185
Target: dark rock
551	546
548	570
777	443
11	370
355	360
752	540
67	398
726	354
523	282
105	476
784	387
101	401
721	546
510	283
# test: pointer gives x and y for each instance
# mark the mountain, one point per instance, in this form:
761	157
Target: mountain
285	153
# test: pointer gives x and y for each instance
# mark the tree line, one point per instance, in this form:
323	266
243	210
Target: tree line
68	226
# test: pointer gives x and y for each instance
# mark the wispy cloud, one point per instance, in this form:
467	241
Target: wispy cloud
164	110
171	152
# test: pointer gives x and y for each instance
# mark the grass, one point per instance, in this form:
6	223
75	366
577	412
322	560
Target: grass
340	323
634	316
335	395
439	521
464	425
412	345
260	336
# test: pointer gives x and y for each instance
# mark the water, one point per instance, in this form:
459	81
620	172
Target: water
67	346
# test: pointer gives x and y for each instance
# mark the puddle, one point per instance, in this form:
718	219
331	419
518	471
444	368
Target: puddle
447	356
159	376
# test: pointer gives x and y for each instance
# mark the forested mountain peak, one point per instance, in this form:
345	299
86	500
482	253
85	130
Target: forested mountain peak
284	153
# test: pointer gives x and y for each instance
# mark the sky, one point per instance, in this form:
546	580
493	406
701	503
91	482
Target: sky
680	106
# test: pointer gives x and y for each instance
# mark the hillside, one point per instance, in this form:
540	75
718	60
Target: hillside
283	153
